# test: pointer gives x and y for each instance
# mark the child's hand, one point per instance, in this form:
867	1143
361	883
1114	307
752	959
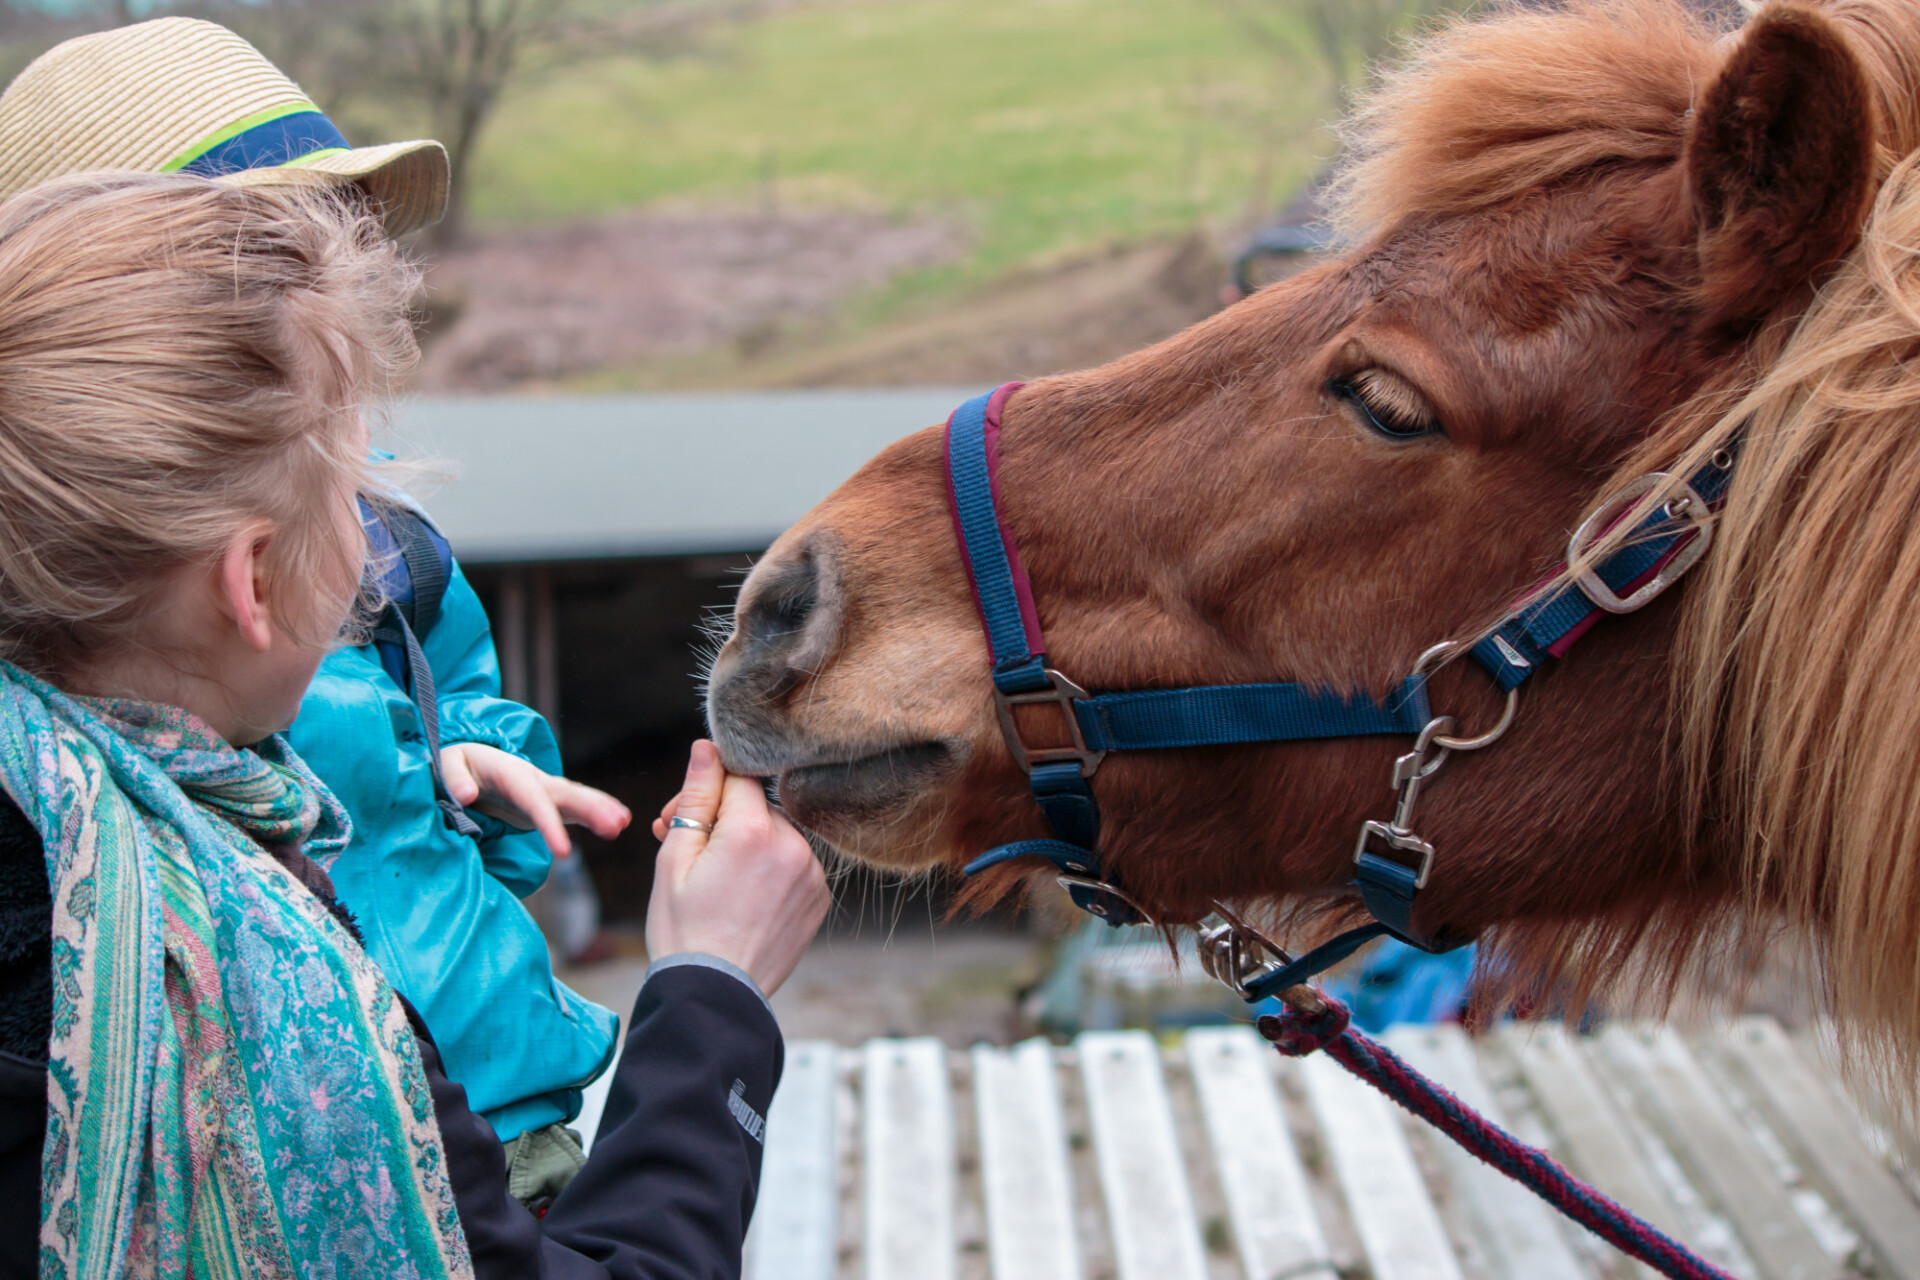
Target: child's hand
508	788
749	891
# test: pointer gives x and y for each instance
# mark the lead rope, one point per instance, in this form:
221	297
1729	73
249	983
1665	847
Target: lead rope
1300	1031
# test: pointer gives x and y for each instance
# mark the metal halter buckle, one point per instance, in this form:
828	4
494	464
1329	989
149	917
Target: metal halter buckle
1235	953
1409	771
1399	842
1070	883
1686	504
1063	694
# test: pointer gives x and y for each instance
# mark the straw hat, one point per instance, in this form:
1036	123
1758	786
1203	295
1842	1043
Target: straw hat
182	95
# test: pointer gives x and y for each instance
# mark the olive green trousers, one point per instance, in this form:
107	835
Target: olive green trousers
540	1164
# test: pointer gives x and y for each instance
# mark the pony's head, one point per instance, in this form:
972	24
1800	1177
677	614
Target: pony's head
1578	236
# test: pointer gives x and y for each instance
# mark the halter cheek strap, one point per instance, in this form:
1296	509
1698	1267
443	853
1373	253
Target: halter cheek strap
1154	719
1666	543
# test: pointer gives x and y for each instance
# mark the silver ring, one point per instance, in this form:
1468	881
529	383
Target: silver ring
689	824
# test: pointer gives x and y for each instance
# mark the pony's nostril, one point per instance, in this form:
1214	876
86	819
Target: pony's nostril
785	609
779	616
787	627
790	612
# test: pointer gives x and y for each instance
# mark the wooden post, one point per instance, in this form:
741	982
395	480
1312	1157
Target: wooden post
1149	1205
546	647
1024	1176
796	1228
907	1111
510	634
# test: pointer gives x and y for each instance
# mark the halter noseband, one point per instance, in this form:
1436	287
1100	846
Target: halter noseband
1391	863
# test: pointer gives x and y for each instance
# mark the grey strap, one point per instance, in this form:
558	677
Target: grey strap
393	628
425	569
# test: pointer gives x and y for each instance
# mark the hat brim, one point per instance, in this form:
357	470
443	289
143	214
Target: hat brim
408	179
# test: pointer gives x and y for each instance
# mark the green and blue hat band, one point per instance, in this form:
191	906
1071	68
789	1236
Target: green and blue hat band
287	135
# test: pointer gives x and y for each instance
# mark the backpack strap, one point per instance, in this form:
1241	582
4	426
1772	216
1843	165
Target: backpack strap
429	562
393	629
414	584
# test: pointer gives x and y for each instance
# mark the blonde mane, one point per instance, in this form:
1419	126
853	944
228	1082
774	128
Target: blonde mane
1798	721
1797	718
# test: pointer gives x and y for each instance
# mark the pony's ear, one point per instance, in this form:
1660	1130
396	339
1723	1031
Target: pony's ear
1779	163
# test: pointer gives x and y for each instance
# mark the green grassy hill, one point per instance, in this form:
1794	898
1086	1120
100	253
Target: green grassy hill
1044	126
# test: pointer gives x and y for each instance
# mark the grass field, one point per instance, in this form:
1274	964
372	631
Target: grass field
1044	126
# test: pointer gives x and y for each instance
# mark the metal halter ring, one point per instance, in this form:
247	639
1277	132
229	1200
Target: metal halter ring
690	824
1442	653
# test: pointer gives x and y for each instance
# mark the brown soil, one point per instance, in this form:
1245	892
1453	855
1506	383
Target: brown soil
542	305
1073	314
728	299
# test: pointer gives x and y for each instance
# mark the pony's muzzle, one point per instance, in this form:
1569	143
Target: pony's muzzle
787	626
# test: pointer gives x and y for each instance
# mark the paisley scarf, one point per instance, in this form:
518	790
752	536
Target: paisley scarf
232	1087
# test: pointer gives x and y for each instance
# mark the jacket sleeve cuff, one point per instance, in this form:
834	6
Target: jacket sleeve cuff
705	961
507	726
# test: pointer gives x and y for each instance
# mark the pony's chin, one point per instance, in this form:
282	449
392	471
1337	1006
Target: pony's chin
880	807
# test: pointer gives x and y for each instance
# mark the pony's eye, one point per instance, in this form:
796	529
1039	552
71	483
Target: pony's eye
1387	404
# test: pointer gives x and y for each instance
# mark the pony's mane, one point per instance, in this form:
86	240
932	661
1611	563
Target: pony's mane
1488	108
1797	723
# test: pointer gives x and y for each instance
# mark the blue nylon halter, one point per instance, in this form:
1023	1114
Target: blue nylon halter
1546	624
1146	720
1542	625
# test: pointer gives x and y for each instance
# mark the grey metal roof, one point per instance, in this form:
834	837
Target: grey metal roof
569	477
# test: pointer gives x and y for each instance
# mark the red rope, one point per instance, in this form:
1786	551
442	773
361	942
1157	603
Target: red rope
1296	1034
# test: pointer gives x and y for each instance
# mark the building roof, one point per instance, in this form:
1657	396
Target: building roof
573	477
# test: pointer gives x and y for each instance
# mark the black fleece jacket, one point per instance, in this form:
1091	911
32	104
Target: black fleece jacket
665	1196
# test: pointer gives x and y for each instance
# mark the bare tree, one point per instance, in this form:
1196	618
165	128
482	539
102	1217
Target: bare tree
441	66
463	53
438	66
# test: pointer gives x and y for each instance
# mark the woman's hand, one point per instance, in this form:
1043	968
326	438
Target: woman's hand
508	788
751	892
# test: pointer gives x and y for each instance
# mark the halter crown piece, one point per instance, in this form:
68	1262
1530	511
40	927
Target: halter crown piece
1391	863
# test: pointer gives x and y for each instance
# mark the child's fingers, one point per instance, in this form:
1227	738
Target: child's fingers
458	775
588	807
523	794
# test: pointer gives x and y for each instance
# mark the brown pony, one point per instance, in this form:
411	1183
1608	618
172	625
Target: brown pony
1590	242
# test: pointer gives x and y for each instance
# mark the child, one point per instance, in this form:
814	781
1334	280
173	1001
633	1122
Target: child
201	1071
435	892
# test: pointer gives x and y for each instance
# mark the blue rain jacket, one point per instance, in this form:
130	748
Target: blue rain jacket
440	911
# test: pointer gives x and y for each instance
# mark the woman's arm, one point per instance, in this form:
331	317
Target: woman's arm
670	1186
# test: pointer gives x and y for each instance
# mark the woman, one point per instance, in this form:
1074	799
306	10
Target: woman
223	1082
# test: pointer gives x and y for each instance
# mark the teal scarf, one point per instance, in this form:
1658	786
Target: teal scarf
233	1089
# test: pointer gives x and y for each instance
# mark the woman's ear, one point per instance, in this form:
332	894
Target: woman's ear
243	585
1779	163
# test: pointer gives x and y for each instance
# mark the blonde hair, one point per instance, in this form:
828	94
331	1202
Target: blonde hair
178	360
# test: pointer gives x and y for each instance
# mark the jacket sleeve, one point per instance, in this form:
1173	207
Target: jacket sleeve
670	1186
466	677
